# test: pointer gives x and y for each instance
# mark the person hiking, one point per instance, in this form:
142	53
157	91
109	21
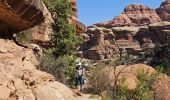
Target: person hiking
80	76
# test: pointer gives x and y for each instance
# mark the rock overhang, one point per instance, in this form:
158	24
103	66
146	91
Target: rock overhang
20	15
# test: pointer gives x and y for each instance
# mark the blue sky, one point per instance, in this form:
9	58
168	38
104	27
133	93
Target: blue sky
93	11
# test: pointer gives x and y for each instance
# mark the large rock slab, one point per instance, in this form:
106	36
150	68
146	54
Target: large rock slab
21	14
41	33
20	80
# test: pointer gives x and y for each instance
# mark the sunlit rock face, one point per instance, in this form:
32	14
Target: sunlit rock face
133	15
137	28
20	80
21	14
164	10
41	33
80	27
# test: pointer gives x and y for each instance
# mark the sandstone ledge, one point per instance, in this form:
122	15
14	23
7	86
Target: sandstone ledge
21	14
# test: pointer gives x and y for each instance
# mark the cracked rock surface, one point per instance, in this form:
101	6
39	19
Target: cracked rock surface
20	80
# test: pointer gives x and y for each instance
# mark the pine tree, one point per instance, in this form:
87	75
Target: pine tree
64	36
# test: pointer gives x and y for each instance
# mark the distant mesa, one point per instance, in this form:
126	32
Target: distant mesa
135	30
138	15
133	15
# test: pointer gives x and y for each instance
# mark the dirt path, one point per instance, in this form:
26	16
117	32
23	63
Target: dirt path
88	97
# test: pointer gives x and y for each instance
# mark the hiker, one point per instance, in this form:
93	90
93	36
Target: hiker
80	79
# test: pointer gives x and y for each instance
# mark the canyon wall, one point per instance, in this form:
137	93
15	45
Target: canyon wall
19	77
138	29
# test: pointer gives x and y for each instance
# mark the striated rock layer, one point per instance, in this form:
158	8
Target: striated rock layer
138	29
164	11
21	14
100	44
104	43
133	15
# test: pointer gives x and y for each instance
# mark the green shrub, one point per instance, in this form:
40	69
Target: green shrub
100	84
24	36
98	79
64	37
62	68
124	60
143	91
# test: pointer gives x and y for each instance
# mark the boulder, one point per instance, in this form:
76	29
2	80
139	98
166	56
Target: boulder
4	93
162	86
129	72
53	91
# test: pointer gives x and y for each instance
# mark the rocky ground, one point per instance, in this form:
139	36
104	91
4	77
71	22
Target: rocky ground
20	80
88	97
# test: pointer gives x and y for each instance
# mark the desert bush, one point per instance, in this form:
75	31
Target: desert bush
24	37
144	89
165	70
98	79
125	60
100	83
64	37
62	68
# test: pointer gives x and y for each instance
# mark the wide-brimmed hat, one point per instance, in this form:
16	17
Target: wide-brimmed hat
79	64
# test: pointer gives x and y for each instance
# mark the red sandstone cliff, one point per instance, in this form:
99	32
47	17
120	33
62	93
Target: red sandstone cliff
164	11
133	15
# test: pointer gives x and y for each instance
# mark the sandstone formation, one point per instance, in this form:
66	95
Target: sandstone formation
21	14
124	37
80	27
105	43
162	87
41	33
133	15
20	80
138	29
154	33
164	11
99	46
130	39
